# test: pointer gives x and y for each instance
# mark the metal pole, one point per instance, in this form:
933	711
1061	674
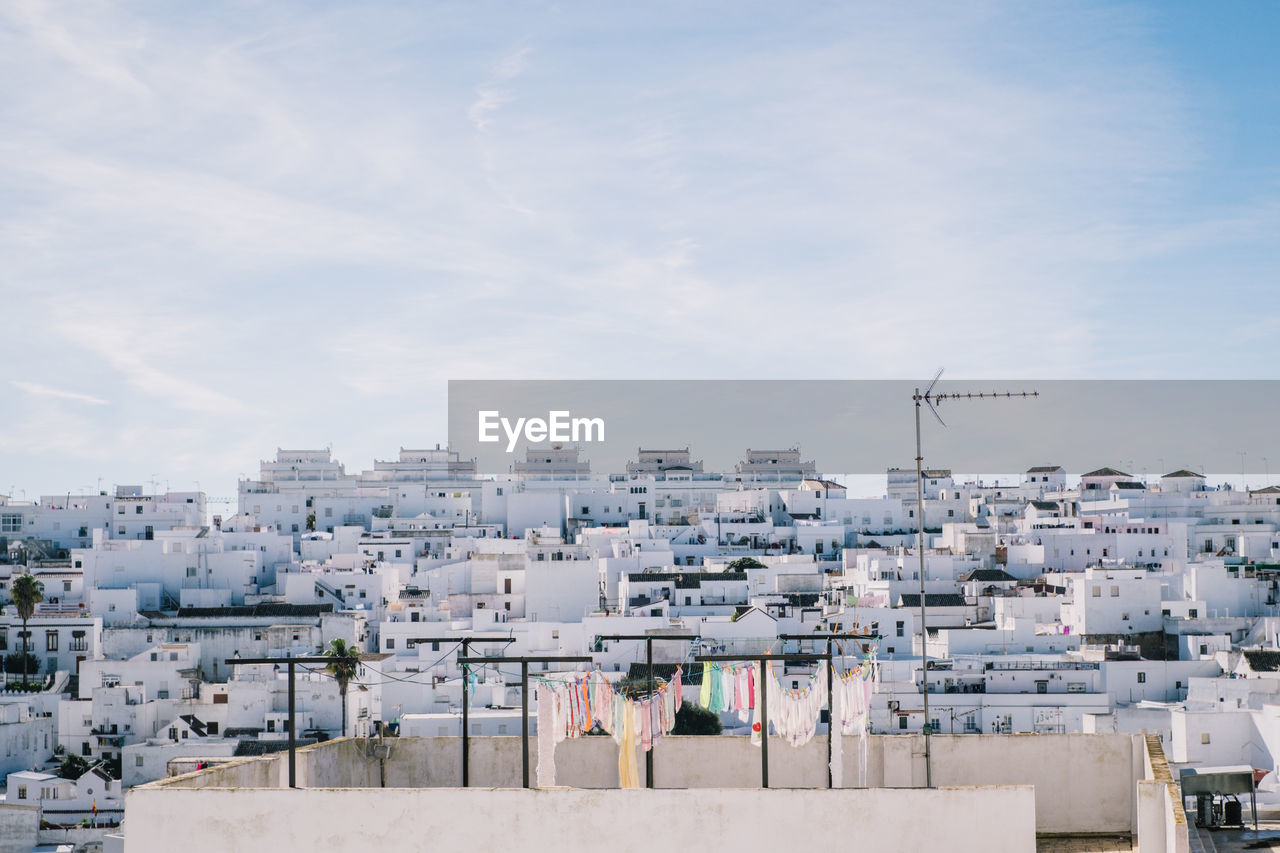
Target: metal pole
764	728
648	756
293	737
524	721
466	728
924	634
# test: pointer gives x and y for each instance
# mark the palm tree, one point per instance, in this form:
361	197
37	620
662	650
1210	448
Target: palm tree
27	592
344	666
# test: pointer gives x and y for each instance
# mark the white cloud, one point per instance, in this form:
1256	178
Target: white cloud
58	393
289	222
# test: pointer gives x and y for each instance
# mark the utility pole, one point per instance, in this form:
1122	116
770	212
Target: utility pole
932	400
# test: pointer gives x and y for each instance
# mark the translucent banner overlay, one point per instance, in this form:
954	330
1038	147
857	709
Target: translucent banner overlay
867	426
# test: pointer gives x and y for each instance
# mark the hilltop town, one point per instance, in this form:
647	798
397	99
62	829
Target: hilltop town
1060	604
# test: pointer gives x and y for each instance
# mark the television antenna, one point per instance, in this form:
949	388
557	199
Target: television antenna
933	399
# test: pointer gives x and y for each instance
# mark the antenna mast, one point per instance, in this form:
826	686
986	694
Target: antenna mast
933	400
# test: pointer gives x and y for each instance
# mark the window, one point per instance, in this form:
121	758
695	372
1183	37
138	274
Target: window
1115	591
900	628
173	730
1097	592
211	728
191	571
506	585
138	761
902	721
1192	612
391	643
1142	678
1204	738
22	792
328	512
220	698
137	510
66	586
50	641
11	522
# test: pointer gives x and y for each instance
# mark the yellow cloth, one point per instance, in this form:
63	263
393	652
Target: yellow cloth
628	775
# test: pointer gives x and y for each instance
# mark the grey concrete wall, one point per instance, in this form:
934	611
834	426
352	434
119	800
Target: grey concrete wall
18	828
1083	783
248	821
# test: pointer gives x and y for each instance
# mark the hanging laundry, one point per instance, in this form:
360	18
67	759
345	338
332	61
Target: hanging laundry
545	694
853	695
835	733
741	693
628	775
796	718
759	725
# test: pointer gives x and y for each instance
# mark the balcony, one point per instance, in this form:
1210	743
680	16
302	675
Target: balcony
1024	666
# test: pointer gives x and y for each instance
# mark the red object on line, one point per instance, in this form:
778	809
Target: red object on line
755	727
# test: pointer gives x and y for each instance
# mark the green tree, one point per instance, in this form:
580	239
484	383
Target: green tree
743	563
693	719
344	666
16	663
72	767
27	592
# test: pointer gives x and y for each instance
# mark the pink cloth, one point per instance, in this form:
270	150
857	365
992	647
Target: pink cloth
646	724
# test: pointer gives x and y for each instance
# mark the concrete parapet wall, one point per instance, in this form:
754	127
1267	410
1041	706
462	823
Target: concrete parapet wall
165	819
1083	783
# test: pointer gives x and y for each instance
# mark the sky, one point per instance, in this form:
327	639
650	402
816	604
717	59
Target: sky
231	227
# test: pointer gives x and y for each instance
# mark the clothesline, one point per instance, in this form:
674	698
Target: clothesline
574	704
570	705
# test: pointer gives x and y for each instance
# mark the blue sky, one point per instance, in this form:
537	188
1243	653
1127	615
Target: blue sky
231	227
